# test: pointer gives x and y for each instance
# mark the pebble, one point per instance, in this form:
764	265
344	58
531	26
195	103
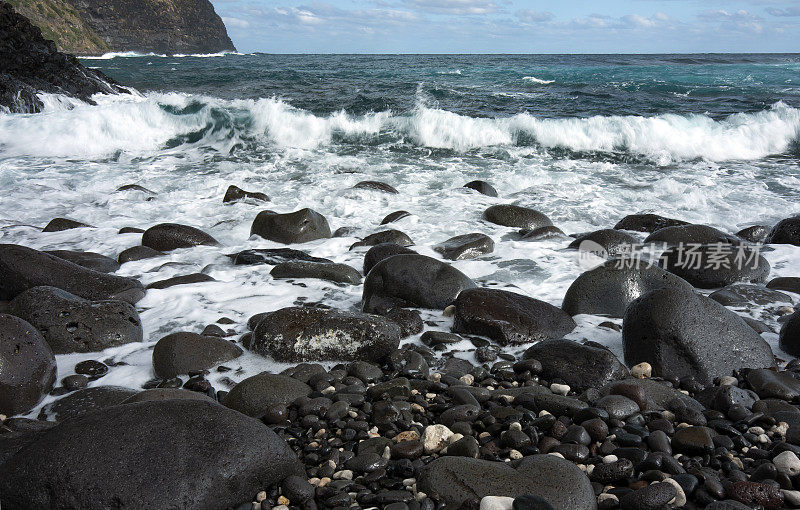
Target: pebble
559	389
435	437
642	370
497	503
787	463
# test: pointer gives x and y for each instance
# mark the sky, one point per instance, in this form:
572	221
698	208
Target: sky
512	26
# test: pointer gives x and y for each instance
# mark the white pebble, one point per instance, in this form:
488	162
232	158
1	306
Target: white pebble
782	428
261	496
642	370
435	437
467	379
344	474
330	390
756	430
449	311
787	463
606	496
515	425
514	455
680	496
559	389
763	439
408	482
497	503
556	454
279	507
608	459
727	380
791	497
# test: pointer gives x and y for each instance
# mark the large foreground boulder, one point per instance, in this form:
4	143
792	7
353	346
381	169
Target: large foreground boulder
254	395
184	352
509	318
27	366
85	401
412	281
609	289
181	454
681	333
87	259
23	268
509	215
711	266
72	324
383	251
559	482
172	236
312	334
296	227
580	366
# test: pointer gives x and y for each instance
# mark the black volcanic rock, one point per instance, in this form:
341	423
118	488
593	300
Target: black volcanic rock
31	64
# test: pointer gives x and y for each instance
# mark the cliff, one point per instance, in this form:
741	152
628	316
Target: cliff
94	27
29	64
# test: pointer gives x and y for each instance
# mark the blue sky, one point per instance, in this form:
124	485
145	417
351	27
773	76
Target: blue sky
512	26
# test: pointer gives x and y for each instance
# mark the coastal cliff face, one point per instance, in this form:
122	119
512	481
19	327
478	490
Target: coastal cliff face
29	64
94	27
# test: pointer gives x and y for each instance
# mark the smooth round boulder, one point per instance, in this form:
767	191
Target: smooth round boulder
691	234
467	246
482	187
72	324
172	236
254	395
609	289
414	281
159	454
27	366
744	294
300	226
578	365
711	266
332	272
541	234
180	353
235	193
789	338
87	259
681	333
383	251
138	253
613	242
785	283
647	223
167	394
376	186
61	224
24	268
312	334
787	231
84	401
509	215
387	236
395	216
509	318
184	279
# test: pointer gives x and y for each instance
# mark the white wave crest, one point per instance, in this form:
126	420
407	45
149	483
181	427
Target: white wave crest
133	54
538	81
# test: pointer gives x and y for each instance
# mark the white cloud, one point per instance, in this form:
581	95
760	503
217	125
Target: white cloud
741	20
531	16
454	7
788	12
235	22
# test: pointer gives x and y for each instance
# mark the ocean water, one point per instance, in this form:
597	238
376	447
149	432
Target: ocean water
712	139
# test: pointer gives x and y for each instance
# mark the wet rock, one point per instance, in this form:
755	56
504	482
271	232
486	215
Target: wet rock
785	283
135	187
579	366
183	352
186	279
376	186
743	294
715	265
300	226
541	234
509	318
613	242
691	234
412	281
383	251
60	224
159	394
771	384
410	321
87	259
85	401
787	231
300	334
482	187
395	216
254	395
658	395
652	497
693	441
467	246
789	338
130	230
609	289
612	472
754	493
27	366
273	256
647	223
72	324
456	479
681	333
385	237
754	234
93	369
234	194
338	273
172	236
516	216
618	407
138	253
147	438
23	268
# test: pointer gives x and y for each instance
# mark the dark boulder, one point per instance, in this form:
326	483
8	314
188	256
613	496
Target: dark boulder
84	401
744	294
647	223
72	324
580	366
87	259
27	366
691	234
681	333
273	256
785	232
310	334
612	241
392	217
376	186
234	194
789	338
785	283
383	251
754	234
167	394
611	287
338	273
137	253
410	321
467	246
60	224
541	234
180	353
412	281
296	227
385	237
254	395
185	279
171	236
23	268
509	318
516	216
710	266
130	230
165	454
482	187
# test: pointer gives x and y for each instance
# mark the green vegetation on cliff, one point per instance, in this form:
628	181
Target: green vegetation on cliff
62	23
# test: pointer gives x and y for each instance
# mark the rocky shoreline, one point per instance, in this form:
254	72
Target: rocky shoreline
698	413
